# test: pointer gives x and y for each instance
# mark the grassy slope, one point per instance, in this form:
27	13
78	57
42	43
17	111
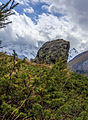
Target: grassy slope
40	92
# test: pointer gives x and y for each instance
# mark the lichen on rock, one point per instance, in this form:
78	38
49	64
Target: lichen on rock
51	51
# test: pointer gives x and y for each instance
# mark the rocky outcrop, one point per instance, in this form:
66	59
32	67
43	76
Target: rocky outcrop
51	51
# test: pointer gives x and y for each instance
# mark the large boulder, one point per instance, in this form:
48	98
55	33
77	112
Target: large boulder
51	51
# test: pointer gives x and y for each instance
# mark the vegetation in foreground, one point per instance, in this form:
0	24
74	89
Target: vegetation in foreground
33	92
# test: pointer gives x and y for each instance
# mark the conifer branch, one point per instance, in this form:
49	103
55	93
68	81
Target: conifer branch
5	11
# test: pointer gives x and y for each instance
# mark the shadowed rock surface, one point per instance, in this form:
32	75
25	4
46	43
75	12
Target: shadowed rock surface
79	64
51	51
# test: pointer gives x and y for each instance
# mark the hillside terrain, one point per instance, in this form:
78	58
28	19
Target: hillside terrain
80	63
30	91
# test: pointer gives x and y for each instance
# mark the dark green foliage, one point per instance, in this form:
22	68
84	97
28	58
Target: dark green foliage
14	57
41	93
0	44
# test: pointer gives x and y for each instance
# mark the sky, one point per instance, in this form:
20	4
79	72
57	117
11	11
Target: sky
38	21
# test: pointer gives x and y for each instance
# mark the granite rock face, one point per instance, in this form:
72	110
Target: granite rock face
51	51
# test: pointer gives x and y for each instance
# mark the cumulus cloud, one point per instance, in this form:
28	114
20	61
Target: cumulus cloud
77	10
21	34
45	7
26	2
23	2
29	10
26	37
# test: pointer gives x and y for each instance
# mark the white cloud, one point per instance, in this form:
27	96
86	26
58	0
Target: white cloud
29	10
45	1
25	36
45	7
23	2
34	1
77	10
51	28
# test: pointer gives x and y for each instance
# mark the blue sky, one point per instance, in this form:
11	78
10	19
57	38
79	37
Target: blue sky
38	21
38	10
37	7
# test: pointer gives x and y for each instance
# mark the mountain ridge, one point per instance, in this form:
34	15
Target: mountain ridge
79	63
